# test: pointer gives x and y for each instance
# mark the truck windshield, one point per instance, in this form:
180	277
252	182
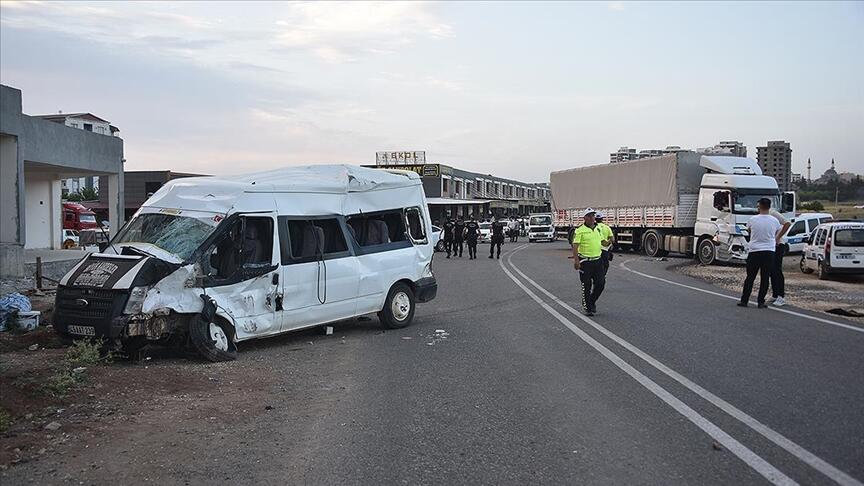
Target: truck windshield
540	221
180	235
88	218
745	203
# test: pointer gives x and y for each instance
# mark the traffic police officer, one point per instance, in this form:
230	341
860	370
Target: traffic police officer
608	240
448	235
458	236
587	245
472	232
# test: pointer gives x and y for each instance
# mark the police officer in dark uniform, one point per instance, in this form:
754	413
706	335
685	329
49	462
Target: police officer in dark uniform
448	236
458	237
472	232
497	237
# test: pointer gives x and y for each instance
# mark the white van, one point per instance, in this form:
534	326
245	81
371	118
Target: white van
540	227
802	227
215	261
835	248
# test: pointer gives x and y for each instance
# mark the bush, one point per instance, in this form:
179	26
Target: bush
82	353
812	206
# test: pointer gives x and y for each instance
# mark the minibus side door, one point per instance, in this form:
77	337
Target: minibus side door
319	272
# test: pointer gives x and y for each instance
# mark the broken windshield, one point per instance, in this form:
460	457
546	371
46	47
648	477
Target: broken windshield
180	235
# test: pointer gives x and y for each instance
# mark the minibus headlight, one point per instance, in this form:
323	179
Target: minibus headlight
136	300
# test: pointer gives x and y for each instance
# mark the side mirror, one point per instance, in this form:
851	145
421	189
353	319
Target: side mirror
788	202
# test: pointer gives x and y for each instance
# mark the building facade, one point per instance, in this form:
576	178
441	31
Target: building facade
775	160
726	147
35	156
453	192
89	123
625	153
138	186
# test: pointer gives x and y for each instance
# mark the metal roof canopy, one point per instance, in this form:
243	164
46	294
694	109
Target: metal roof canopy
445	201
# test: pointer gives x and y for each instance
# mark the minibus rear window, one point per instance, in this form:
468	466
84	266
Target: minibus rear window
849	237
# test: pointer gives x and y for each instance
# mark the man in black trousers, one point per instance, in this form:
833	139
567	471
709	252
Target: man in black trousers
497	238
458	237
472	232
765	234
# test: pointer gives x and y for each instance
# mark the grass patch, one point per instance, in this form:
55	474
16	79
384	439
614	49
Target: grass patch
82	353
5	420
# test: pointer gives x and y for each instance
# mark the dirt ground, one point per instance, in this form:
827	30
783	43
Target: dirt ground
802	290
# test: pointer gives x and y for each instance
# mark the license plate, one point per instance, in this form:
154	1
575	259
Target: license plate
82	330
845	257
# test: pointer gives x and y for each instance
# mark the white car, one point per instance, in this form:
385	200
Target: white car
802	227
835	248
437	242
70	238
485	232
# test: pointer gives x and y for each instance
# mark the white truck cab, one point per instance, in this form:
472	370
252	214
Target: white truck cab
540	227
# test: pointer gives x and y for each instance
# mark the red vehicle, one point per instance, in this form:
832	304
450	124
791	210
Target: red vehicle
77	217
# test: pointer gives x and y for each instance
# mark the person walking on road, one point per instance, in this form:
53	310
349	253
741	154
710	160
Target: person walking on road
497	238
458	237
765	235
608	241
778	281
472	232
448	235
587	243
513	229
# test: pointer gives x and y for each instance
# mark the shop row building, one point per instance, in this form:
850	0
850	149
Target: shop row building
454	192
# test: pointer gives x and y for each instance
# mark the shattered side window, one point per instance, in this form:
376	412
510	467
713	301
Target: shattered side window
179	235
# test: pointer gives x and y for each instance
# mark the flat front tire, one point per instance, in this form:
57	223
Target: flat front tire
214	341
398	311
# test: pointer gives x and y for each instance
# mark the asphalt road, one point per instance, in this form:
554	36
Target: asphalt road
498	382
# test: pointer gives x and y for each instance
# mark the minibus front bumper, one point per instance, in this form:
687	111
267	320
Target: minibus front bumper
425	289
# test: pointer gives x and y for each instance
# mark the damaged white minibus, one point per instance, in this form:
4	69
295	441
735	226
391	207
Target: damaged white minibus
209	262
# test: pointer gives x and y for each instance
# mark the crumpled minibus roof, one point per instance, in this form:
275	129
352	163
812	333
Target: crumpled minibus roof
222	193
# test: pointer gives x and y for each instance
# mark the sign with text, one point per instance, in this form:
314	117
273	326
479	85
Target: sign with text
425	170
400	158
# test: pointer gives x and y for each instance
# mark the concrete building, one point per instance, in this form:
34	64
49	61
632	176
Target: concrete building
138	186
775	160
87	122
726	147
461	193
625	153
35	155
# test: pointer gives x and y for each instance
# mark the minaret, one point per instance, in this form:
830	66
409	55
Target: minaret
832	163
808	170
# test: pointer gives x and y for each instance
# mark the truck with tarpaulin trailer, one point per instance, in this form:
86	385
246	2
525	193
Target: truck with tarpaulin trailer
685	203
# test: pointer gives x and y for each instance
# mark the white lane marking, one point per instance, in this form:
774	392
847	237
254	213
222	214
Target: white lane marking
791	447
760	465
718	294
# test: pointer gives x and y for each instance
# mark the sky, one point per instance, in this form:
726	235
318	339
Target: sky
513	89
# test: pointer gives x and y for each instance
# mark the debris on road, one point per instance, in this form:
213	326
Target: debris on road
845	312
53	426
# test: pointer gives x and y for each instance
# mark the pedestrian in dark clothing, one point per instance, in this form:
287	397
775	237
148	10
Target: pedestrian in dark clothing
472	232
778	281
458	237
497	238
448	236
765	235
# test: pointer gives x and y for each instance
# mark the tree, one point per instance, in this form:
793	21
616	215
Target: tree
88	194
812	206
73	196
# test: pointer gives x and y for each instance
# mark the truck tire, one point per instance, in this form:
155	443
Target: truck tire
651	243
706	252
804	268
214	340
398	311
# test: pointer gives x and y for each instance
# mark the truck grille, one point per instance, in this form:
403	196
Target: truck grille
89	304
540	229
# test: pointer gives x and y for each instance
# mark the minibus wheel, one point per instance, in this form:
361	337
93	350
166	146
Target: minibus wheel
213	340
398	309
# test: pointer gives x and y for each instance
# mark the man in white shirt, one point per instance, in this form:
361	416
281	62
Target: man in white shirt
778	281
765	234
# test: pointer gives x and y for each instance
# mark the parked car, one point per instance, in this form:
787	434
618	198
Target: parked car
437	242
802	227
485	232
70	238
835	248
540	227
